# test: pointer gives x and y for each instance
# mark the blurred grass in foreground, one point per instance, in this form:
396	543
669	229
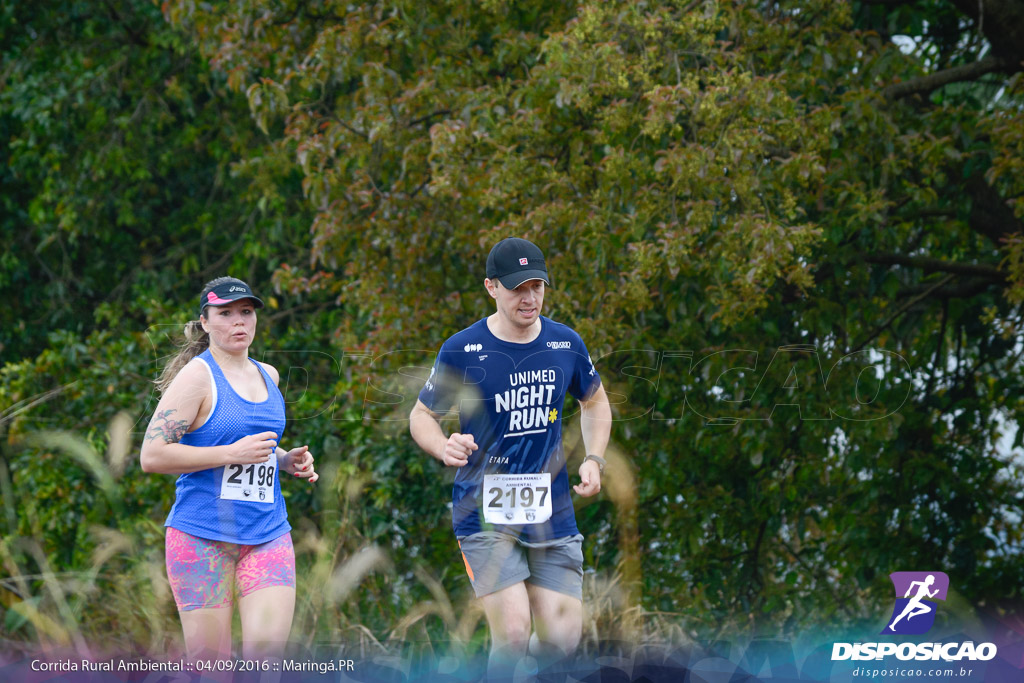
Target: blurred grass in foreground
121	603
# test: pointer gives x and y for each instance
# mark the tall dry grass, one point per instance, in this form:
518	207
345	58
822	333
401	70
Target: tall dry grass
121	602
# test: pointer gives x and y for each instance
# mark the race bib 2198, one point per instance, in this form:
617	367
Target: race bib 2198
254	483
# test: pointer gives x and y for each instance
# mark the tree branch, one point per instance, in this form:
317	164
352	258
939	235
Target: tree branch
427	117
990	215
901	310
966	290
351	129
937	358
933	265
967	72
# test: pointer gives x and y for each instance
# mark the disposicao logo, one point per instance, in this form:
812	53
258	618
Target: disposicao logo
914	611
914	614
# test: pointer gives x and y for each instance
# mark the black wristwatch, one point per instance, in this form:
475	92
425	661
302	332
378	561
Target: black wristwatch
598	459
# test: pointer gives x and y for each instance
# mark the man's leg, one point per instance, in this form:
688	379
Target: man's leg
558	621
508	618
555	588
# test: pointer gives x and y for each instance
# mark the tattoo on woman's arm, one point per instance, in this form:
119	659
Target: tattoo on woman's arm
163	427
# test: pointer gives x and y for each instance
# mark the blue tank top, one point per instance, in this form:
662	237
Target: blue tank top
222	503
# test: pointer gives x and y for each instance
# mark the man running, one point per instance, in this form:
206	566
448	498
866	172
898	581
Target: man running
507	376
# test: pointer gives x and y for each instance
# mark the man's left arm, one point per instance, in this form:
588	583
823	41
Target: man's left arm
596	424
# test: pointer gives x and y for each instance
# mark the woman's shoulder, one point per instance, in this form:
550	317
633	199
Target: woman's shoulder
196	370
192	382
271	371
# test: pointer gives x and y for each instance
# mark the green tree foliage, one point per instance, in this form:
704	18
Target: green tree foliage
789	232
794	198
131	175
129	171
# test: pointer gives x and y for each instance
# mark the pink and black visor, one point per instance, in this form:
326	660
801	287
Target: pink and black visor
224	292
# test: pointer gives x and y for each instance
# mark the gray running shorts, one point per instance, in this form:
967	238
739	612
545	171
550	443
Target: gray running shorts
495	561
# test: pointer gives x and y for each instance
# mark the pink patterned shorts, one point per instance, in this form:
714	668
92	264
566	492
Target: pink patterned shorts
205	573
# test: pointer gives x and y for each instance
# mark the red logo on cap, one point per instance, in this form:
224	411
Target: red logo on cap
523	262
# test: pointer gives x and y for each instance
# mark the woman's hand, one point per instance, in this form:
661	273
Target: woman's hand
298	462
253	449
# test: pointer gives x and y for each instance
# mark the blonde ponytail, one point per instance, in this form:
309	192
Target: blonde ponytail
196	341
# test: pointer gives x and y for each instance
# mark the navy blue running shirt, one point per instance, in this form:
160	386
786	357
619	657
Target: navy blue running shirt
510	397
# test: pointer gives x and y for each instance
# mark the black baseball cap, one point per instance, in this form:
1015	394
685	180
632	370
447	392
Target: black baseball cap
514	260
225	291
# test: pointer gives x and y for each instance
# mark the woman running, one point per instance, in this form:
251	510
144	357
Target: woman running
218	426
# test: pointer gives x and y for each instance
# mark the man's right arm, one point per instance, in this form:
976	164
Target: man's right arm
425	427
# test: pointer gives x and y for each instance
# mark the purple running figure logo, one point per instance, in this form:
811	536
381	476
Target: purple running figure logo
914	611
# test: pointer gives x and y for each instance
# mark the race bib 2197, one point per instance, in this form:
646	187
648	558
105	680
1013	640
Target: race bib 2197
517	498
